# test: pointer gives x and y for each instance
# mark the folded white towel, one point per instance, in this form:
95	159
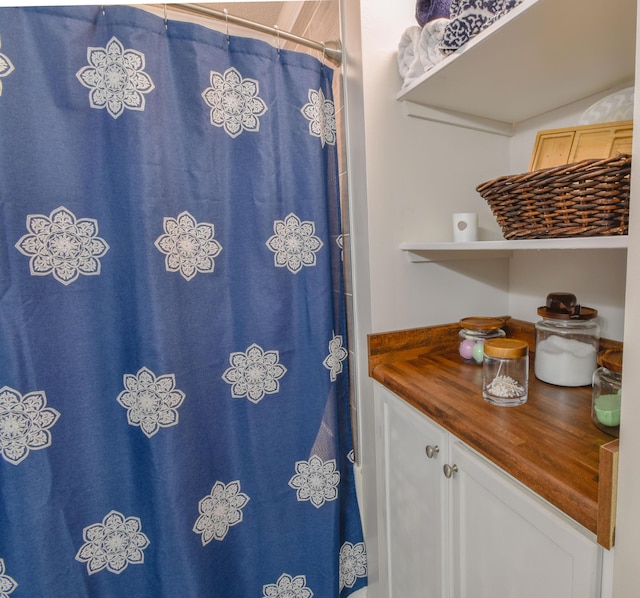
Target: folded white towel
419	50
408	60
428	48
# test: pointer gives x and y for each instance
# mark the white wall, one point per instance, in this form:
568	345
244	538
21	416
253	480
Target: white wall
409	199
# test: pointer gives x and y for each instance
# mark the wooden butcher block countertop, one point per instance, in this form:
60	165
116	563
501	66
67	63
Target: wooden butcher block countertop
549	444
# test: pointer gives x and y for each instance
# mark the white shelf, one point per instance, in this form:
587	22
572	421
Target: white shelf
438	252
522	65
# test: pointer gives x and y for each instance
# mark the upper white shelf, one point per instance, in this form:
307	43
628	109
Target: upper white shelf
437	252
540	56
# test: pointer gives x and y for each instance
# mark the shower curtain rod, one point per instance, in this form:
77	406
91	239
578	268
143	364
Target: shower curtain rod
331	50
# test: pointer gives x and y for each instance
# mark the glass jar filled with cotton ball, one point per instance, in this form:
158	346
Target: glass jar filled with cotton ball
505	372
475	331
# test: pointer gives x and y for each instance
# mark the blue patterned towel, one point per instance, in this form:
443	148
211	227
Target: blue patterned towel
470	17
429	10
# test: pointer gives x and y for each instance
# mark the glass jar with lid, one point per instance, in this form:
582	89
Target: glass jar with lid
607	392
505	372
567	341
475	331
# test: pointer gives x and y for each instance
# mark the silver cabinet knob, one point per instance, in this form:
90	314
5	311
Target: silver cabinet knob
432	451
449	470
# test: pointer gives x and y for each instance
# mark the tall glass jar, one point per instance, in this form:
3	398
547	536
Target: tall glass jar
567	341
607	393
505	372
475	331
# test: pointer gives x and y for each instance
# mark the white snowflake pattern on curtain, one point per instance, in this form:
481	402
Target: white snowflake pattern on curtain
353	564
219	511
61	245
7	583
316	481
321	114
25	422
234	102
337	354
254	373
294	243
189	245
288	587
113	544
151	402
6	66
116	78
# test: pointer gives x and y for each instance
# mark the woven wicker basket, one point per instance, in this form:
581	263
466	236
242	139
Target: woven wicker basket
585	199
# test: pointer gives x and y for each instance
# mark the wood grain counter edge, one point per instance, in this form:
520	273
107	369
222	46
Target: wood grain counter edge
596	513
607	493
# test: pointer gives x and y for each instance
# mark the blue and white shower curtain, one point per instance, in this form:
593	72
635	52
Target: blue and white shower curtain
174	410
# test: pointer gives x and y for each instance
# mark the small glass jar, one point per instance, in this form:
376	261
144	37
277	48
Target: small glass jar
607	393
567	340
505	372
475	331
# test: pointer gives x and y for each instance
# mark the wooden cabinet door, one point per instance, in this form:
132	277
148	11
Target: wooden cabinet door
415	505
508	542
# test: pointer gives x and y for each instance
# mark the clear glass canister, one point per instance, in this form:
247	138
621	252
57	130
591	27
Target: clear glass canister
505	372
607	393
475	331
567	341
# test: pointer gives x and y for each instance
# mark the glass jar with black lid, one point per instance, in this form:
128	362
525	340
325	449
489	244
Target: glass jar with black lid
567	341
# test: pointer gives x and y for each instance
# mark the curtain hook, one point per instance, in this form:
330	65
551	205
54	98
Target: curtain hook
324	54
103	12
277	37
166	20
226	21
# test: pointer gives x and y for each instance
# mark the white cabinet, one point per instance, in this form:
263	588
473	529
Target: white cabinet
507	542
476	534
414	498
